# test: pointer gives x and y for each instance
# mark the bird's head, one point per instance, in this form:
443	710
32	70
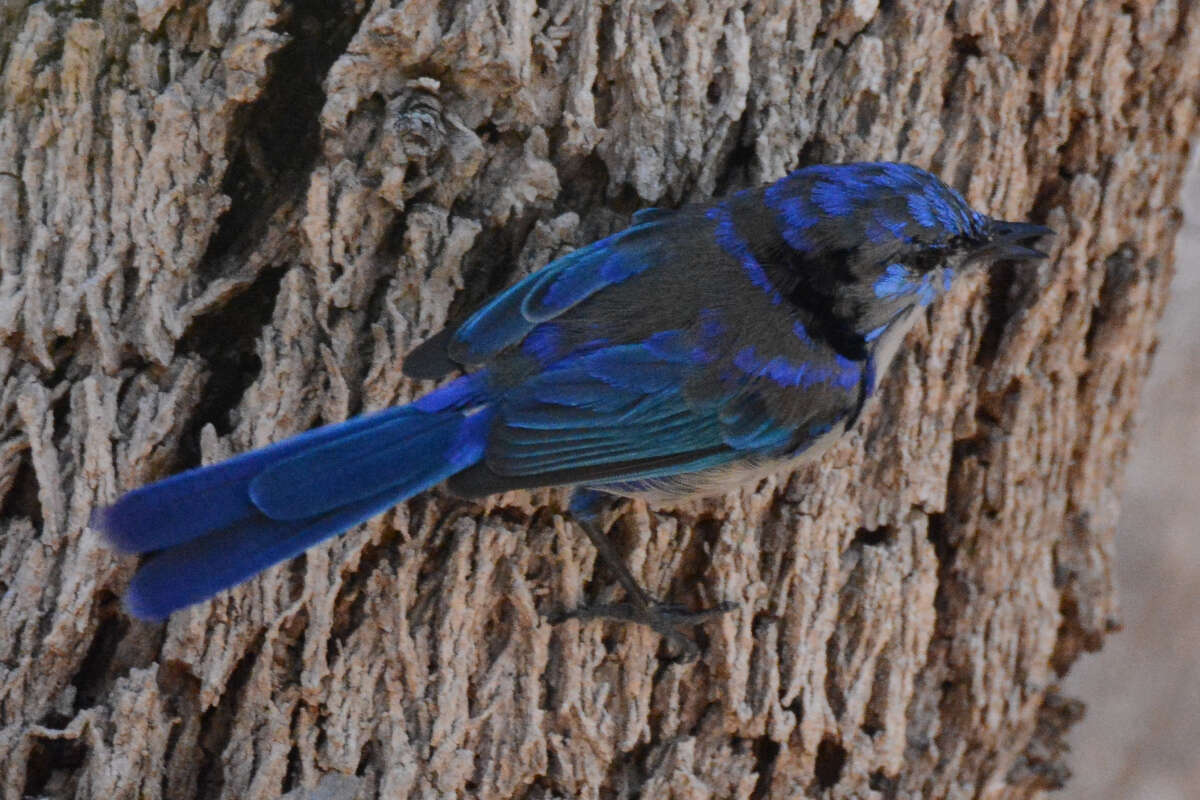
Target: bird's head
871	241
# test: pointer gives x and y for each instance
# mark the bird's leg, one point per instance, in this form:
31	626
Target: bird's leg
666	619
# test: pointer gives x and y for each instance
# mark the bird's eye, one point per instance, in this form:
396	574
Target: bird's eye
928	257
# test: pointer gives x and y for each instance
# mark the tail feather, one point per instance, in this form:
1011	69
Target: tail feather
192	503
210	528
196	570
404	455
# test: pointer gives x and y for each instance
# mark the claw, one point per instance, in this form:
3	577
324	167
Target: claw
665	619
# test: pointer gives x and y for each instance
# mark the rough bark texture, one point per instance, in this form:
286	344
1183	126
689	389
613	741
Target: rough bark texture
224	223
1143	689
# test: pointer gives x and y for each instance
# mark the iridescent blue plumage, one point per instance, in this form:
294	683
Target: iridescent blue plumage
697	348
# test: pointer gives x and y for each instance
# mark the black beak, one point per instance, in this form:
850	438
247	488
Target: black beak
1010	241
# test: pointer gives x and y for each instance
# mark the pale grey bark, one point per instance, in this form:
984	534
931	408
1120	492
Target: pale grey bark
224	223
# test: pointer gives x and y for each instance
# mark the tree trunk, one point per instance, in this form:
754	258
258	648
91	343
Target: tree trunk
224	223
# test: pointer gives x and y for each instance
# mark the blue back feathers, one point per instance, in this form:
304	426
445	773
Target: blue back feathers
555	288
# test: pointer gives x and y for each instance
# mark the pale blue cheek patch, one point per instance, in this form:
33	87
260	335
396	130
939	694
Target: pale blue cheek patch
894	281
926	291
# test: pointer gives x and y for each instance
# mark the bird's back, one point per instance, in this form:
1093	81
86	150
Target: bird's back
689	370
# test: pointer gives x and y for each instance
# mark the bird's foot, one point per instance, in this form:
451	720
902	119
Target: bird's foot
668	620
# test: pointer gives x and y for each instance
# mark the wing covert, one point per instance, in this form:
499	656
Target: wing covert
555	288
667	405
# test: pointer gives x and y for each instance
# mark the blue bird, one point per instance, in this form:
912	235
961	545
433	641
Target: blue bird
696	350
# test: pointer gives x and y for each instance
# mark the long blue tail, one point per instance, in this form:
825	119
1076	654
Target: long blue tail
211	528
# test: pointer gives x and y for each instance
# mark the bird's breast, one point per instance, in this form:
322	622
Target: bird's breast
888	344
671	490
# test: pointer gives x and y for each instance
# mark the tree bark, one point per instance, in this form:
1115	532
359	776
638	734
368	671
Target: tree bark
223	223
